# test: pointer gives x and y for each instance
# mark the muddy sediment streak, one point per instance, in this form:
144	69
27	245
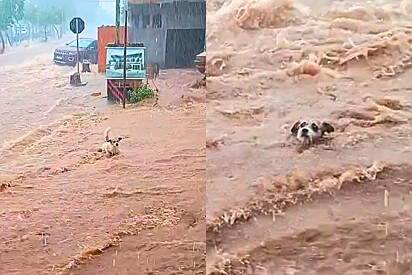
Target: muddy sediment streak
379	195
294	190
302	247
66	207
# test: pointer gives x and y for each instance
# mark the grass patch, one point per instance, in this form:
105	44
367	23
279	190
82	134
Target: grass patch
141	93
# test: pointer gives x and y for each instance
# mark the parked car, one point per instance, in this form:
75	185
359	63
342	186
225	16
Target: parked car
66	55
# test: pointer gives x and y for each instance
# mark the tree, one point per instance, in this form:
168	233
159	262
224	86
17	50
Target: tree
31	15
44	16
10	12
57	19
45	19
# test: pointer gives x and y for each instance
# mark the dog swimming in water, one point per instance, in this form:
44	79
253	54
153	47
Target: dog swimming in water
308	132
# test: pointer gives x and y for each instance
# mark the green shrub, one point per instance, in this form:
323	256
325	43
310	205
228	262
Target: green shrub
141	93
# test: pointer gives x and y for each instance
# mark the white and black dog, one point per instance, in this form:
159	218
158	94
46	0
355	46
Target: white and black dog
110	146
309	132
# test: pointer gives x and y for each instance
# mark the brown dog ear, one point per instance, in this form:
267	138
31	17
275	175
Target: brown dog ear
326	128
295	127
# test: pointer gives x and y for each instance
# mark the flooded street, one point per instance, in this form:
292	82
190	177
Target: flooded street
277	62
212	176
28	102
66	207
25	51
36	101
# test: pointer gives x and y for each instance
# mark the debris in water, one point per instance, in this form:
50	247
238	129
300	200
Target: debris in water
96	94
4	187
93	252
308	66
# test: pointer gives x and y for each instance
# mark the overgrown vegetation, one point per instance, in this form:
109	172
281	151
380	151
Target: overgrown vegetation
11	11
38	17
43	17
141	93
29	20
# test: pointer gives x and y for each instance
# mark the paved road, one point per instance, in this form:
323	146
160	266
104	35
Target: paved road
23	53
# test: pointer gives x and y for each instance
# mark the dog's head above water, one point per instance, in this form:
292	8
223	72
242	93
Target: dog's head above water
310	130
115	142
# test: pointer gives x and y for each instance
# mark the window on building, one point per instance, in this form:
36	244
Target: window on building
157	21
146	21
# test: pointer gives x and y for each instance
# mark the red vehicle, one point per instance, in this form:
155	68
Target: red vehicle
66	55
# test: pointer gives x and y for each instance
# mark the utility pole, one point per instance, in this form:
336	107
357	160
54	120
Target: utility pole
124	60
117	21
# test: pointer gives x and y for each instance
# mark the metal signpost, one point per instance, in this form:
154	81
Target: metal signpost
124	60
117	41
77	26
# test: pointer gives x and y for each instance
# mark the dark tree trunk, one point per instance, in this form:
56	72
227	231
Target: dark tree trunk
29	29
3	44
38	33
57	32
45	33
8	39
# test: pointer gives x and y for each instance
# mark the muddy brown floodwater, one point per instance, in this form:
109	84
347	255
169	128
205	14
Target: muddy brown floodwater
66	209
273	209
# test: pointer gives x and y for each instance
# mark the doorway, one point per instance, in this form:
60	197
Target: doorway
182	46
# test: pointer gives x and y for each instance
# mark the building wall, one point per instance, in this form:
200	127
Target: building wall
107	35
175	15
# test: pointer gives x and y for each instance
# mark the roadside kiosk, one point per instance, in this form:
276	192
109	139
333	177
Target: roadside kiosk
135	69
